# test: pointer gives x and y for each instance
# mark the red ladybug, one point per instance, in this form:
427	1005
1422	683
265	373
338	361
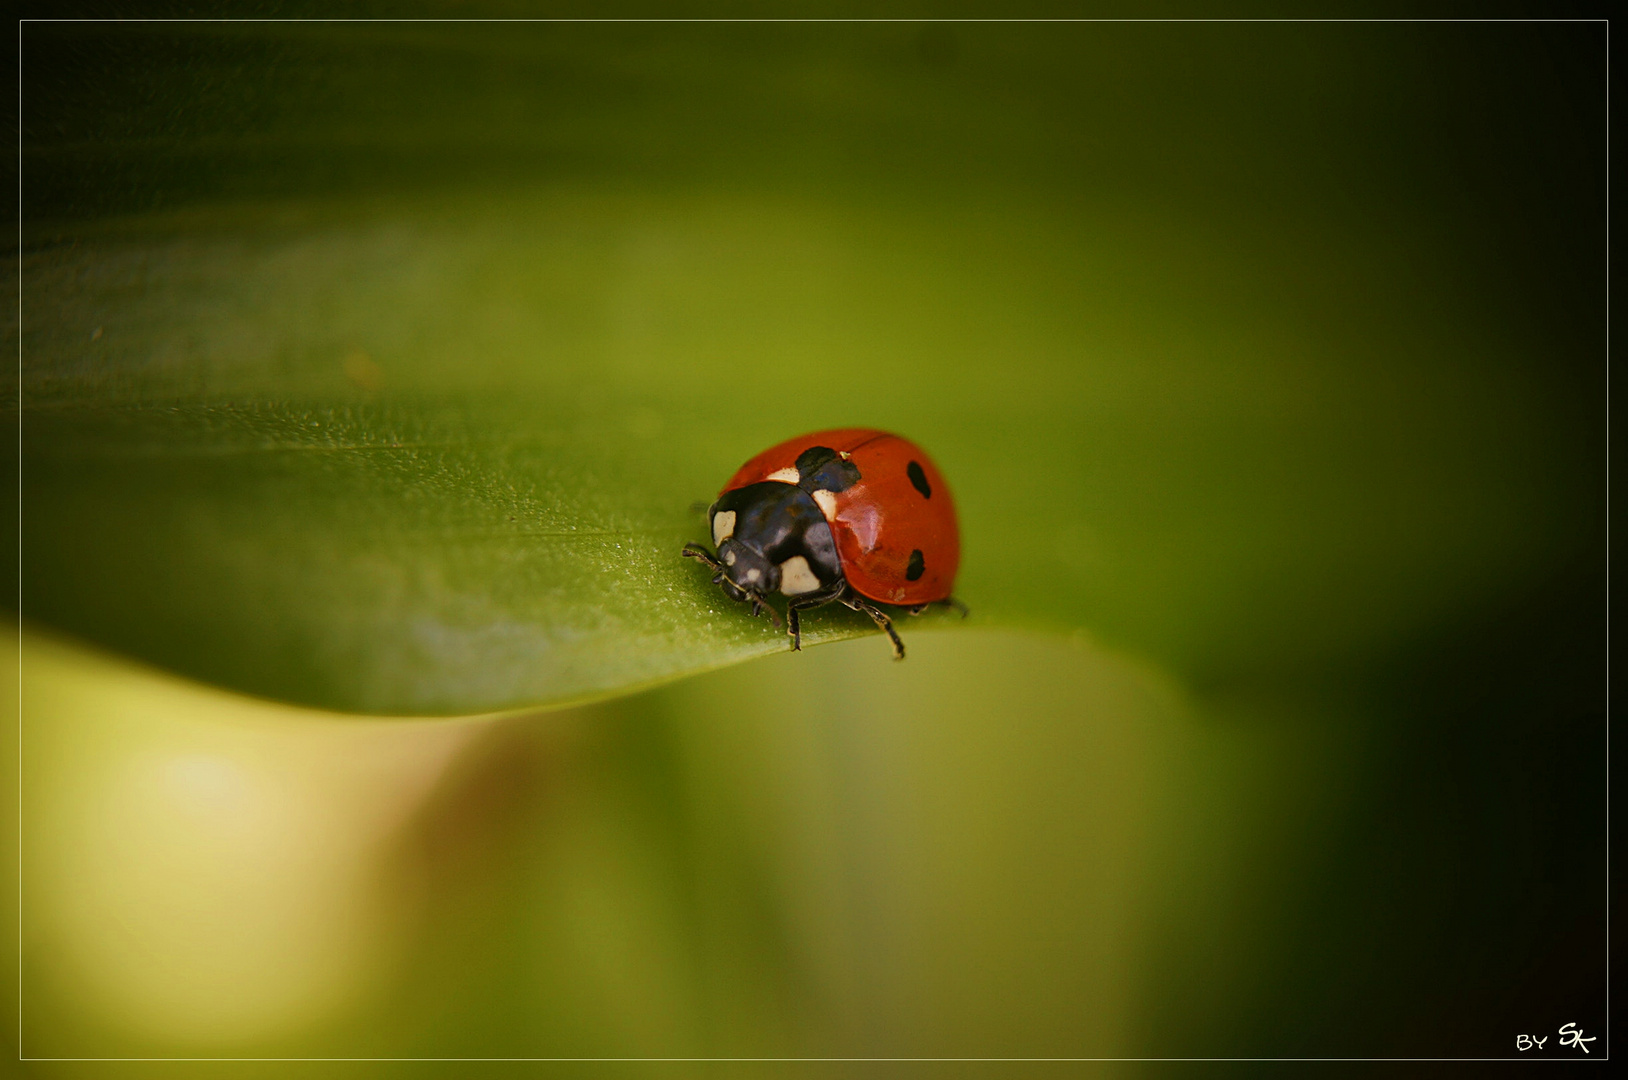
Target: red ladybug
856	516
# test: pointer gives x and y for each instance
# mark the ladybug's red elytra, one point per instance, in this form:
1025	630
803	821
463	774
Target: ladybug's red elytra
854	516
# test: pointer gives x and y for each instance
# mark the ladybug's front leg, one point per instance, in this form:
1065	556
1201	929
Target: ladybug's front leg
760	603
803	603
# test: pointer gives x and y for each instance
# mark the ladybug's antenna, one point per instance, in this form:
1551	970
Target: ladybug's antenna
696	551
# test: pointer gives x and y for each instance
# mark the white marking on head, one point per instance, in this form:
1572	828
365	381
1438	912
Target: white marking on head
723	526
729	557
828	503
753	574
788	475
796	578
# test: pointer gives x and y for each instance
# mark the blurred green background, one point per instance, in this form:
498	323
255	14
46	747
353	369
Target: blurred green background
369	373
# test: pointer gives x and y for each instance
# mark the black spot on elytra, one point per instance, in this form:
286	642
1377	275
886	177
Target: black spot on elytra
917	567
810	460
820	468
918	479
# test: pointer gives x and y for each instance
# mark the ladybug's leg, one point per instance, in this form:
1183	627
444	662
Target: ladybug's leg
950	602
879	617
761	604
803	603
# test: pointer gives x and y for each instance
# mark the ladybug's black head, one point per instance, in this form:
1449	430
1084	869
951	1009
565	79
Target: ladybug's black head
746	570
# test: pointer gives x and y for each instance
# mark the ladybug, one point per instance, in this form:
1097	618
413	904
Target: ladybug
853	516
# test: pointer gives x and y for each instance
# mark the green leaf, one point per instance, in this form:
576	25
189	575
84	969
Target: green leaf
404	447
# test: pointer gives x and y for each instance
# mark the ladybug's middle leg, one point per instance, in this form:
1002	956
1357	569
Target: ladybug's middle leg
879	617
